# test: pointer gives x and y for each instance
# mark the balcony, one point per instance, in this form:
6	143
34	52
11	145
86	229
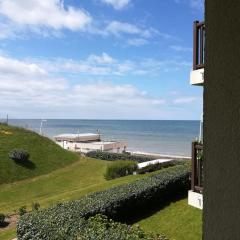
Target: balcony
195	197
197	74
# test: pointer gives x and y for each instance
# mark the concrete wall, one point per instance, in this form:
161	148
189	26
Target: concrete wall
221	211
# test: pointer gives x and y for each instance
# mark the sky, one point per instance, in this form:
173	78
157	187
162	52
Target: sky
98	59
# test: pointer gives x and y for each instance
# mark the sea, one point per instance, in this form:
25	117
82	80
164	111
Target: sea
171	137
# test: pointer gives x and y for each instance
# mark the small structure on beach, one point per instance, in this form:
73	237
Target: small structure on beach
87	142
152	162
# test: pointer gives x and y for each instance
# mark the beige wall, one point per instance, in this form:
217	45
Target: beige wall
221	211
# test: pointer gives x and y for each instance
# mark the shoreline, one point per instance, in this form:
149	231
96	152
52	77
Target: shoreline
173	136
159	155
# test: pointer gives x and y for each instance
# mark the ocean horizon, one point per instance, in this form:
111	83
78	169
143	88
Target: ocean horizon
171	137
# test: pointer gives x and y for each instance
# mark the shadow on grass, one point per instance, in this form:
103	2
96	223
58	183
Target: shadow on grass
26	164
150	209
4	225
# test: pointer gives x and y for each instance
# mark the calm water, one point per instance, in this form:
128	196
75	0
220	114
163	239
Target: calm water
166	137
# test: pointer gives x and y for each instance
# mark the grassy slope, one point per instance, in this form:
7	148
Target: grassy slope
71	182
45	155
178	221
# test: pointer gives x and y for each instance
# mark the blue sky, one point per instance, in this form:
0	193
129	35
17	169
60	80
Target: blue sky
100	59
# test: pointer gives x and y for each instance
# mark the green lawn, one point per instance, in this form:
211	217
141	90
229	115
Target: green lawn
8	235
177	221
69	183
45	155
72	182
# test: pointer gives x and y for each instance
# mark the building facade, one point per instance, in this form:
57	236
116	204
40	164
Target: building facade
195	195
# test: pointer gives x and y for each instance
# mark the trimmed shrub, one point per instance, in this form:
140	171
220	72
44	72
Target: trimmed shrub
19	155
118	156
119	169
158	166
2	219
117	203
22	210
98	227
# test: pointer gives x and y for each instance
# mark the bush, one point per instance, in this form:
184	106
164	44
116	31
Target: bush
118	156
19	155
118	203
22	210
100	227
157	166
35	206
119	169
2	219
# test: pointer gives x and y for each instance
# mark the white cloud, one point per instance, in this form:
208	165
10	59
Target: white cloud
51	17
111	93
29	88
10	66
126	67
6	31
25	94
106	65
155	66
197	4
181	48
131	34
34	85
137	42
117	4
103	59
39	14
186	100
33	89
117	28
88	66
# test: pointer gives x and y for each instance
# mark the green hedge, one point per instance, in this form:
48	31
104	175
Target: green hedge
118	156
119	169
117	203
98	227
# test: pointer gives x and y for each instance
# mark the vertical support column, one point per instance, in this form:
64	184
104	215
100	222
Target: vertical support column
193	173
195	45
201	44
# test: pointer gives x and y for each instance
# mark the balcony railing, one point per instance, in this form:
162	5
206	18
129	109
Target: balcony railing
197	167
198	45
